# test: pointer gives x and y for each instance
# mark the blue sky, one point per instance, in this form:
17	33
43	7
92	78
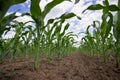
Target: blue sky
76	26
22	8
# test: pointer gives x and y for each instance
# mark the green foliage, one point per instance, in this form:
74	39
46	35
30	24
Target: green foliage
4	22
52	38
48	36
37	38
102	39
95	7
106	7
116	32
94	41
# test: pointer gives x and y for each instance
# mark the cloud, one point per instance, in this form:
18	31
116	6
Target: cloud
22	7
24	18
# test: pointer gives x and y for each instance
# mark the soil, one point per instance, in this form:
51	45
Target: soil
76	66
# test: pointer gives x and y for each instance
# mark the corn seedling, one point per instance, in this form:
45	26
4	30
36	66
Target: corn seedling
106	27
38	16
116	32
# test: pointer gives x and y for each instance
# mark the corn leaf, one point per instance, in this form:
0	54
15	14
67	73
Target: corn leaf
35	9
5	21
110	24
113	8
65	28
105	2
68	15
94	7
50	5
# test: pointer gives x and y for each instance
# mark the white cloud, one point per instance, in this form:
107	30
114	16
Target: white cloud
18	14
23	18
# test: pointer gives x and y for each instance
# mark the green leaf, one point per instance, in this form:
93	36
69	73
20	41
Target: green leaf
116	27
50	6
110	24
94	7
65	28
106	2
54	26
50	21
35	9
67	16
106	25
113	8
5	21
87	30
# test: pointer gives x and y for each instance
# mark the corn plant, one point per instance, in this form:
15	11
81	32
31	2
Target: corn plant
14	44
4	21
106	23
93	41
56	39
116	32
38	16
37	39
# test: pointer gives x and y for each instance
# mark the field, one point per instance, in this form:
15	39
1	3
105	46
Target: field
43	49
76	66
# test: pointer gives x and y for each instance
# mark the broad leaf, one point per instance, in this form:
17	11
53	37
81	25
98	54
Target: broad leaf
68	15
65	28
5	21
105	2
50	6
35	9
110	24
94	7
113	8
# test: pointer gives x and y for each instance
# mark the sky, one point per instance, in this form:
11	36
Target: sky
76	25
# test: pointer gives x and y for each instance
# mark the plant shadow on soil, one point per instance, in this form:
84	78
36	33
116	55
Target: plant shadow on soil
76	66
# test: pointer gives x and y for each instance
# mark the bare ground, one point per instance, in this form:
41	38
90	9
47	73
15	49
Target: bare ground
73	67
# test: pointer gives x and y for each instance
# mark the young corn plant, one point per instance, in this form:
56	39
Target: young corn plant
107	21
56	37
4	26
20	41
93	40
62	40
29	38
88	41
39	16
116	32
